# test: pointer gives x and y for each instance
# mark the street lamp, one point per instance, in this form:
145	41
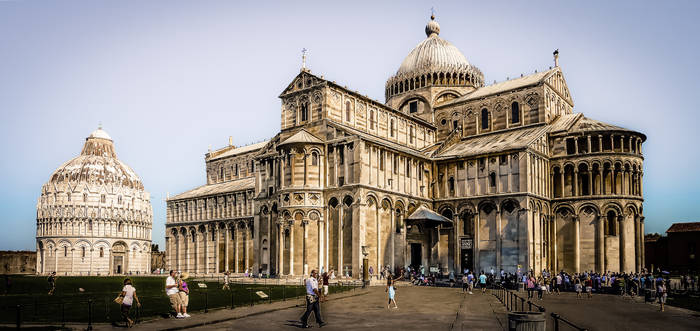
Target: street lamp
365	267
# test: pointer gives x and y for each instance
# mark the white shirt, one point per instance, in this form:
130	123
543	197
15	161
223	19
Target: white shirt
311	284
129	296
170	281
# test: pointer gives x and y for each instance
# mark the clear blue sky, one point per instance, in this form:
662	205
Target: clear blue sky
168	79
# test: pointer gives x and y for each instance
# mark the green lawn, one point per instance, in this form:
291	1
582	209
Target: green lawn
69	304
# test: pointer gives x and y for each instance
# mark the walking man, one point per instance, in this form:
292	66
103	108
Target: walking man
312	297
52	283
482	282
171	290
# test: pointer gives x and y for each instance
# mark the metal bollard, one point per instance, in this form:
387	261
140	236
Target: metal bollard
19	316
556	321
63	314
89	327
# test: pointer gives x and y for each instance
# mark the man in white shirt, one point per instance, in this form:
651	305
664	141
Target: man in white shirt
171	290
312	304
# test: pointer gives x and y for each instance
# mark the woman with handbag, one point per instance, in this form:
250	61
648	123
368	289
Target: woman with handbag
126	300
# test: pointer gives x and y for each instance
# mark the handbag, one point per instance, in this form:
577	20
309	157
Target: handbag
119	299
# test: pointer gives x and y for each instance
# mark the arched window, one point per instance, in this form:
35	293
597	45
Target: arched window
492	179
82	253
451	184
314	159
65	251
484	119
392	127
347	111
102	252
611	226
304	111
221	173
371	119
514	113
235	171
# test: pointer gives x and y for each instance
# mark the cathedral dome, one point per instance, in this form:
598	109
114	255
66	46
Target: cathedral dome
433	54
434	61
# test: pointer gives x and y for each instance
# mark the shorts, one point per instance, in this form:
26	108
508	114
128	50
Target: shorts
588	289
175	300
662	299
184	298
325	289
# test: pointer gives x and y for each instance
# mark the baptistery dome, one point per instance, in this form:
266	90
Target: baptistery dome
94	216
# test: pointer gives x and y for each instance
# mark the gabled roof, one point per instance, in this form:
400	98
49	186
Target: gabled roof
302	137
219	188
684	227
508	85
500	141
240	150
425	214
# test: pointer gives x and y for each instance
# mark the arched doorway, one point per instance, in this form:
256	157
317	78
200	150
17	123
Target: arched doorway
119	258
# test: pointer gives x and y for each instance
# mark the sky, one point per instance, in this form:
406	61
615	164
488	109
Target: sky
168	79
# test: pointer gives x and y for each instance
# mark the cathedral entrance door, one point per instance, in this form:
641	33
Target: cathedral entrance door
118	263
416	255
467	253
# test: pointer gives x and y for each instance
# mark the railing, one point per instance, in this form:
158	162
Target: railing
511	299
89	308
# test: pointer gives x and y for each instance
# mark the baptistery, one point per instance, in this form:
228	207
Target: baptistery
94	216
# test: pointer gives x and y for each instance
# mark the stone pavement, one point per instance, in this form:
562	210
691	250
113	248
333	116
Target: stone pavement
420	308
613	312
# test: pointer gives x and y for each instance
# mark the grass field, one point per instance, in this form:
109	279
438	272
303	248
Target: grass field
69	304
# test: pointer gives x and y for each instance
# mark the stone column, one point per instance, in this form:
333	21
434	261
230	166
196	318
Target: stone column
340	238
499	239
216	250
477	223
55	257
577	244
91	252
641	229
623	241
72	259
196	251
574	189
280	248
236	235
246	234
320	244
637	245
600	244
304	247
291	249
561	182
226	244
393	239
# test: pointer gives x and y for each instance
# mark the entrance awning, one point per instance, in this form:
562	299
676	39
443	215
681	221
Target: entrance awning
423	214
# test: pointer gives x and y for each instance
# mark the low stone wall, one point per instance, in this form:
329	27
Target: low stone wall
17	262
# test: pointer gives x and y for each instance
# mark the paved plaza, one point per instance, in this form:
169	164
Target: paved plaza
430	308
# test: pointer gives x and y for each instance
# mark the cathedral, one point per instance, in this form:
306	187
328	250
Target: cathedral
448	173
94	216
